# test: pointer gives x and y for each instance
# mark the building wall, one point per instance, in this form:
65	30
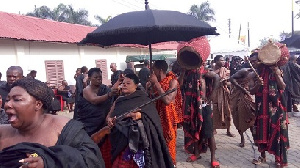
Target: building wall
32	55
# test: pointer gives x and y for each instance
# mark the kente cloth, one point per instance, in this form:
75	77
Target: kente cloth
220	99
291	77
105	149
192	109
157	155
93	115
74	148
121	162
242	106
271	125
169	114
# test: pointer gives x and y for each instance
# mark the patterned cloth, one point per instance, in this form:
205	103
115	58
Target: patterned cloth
242	106
220	99
192	109
271	125
169	115
121	162
105	149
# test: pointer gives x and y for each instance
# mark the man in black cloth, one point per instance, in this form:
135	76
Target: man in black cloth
116	73
13	74
80	85
291	77
144	74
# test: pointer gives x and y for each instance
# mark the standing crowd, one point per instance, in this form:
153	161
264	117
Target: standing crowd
118	126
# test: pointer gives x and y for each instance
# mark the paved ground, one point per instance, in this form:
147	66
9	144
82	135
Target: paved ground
232	156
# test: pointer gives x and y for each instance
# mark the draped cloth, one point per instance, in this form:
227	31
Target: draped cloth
220	99
291	77
93	115
169	114
271	125
157	154
192	110
242	106
74	148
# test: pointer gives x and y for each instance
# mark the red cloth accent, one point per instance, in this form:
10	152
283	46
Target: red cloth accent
121	163
285	54
105	149
200	44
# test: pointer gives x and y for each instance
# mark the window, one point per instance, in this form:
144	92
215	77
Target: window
55	72
102	64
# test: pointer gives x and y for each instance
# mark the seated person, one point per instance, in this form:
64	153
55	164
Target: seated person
65	91
137	141
36	139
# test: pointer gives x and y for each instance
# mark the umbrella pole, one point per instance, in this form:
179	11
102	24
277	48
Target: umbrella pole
150	51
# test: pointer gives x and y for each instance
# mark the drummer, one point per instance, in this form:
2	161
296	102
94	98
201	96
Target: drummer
270	112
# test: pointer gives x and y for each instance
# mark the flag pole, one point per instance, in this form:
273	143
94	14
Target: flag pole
292	17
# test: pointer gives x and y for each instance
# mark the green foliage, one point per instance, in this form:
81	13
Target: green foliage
203	12
102	20
62	13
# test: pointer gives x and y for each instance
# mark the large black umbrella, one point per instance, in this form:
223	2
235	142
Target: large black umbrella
148	27
293	41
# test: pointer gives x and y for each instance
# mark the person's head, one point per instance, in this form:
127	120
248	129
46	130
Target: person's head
176	68
26	103
113	67
95	76
84	69
146	63
227	59
130	84
13	74
253	58
33	73
219	60
64	83
160	67
78	71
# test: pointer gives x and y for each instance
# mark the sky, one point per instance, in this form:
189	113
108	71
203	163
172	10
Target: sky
267	18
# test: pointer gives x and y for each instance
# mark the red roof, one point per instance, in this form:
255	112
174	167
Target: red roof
29	28
20	27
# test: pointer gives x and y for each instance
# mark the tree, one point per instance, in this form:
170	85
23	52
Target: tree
265	40
62	13
203	12
102	20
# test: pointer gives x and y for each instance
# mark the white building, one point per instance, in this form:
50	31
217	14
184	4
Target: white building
51	49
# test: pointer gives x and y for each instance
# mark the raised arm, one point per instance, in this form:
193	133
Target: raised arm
239	75
170	97
278	75
93	98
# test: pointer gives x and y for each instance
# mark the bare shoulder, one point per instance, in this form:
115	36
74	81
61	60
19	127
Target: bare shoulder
57	121
5	129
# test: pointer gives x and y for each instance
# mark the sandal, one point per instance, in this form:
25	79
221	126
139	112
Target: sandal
193	158
215	164
259	160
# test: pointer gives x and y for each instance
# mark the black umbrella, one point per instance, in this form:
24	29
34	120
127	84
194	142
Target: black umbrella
148	27
293	41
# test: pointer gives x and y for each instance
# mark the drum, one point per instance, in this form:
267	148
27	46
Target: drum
192	54
274	54
269	54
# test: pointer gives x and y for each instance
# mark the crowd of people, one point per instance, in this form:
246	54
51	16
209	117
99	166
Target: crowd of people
143	134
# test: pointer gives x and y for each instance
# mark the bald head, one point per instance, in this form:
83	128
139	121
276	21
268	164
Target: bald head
13	74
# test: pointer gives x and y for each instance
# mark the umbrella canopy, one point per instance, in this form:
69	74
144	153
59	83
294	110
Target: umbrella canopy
293	41
148	27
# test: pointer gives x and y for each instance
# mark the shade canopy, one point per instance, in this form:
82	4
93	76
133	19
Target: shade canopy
149	27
